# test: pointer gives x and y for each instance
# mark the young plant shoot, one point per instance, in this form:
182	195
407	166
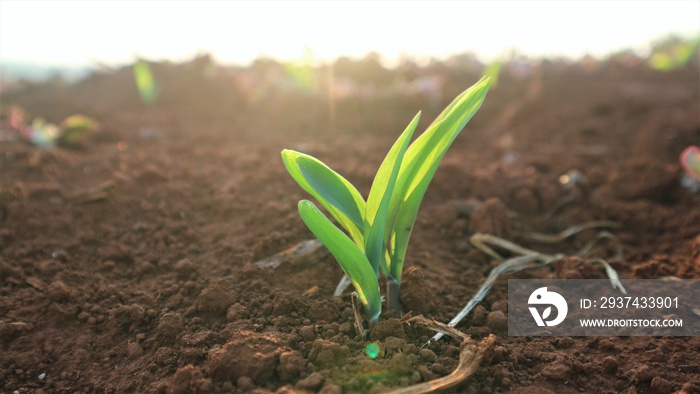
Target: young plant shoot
378	229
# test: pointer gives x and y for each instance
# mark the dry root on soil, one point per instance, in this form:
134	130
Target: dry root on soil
306	252
470	355
528	258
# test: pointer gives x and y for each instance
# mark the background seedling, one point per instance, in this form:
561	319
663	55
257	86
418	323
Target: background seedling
145	82
41	133
74	128
378	229
71	131
690	161
673	53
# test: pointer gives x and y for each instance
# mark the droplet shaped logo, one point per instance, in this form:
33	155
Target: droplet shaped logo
543	297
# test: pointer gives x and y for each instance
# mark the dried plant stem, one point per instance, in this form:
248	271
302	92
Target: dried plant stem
307	252
571	231
528	258
359	317
435	326
470	355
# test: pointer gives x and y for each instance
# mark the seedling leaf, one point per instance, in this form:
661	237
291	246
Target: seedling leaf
380	196
332	187
420	163
350	257
289	157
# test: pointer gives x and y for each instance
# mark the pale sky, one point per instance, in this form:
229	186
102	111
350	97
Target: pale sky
116	32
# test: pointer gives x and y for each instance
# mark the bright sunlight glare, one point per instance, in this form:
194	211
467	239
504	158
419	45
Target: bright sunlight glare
85	32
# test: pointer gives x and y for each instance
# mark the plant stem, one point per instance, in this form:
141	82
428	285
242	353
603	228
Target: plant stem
372	323
393	288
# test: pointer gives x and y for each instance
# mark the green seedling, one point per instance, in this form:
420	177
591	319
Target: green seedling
690	160
378	229
145	82
74	129
302	72
42	133
70	132
673	54
493	70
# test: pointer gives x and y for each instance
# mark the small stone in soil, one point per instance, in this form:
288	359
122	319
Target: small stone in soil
236	312
500	353
290	366
331	389
134	350
311	382
478	316
169	326
184	268
328	354
660	385
182	381
611	363
556	371
245	384
58	291
645	373
607	345
479	331
137	313
497	321
248	354
346	328
388	327
564	343
216	298
307	333
500	305
49	267
427	355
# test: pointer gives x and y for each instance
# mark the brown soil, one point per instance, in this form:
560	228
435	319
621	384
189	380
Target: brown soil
127	263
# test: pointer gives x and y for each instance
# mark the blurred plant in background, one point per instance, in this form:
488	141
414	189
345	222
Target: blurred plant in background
70	132
302	73
690	161
673	53
145	83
